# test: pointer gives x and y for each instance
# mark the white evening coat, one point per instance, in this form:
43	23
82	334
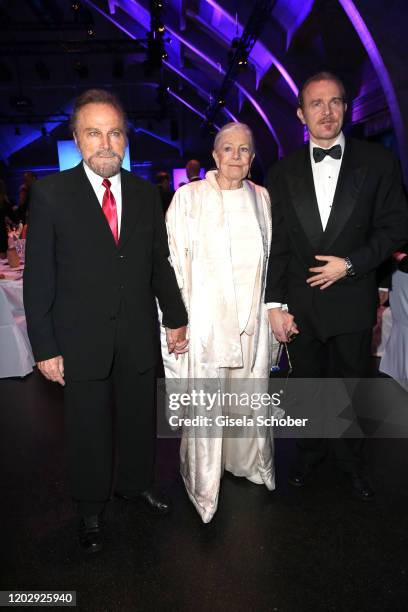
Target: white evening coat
199	244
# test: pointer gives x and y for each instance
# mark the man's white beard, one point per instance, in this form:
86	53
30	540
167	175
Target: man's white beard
105	167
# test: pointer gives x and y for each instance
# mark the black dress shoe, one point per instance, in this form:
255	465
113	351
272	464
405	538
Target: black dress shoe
298	475
361	488
156	503
90	533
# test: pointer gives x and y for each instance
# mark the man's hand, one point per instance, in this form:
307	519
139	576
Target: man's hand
283	324
177	342
325	276
53	369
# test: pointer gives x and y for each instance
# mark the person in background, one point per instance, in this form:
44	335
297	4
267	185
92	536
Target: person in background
193	168
3	233
7	217
166	193
22	211
10	210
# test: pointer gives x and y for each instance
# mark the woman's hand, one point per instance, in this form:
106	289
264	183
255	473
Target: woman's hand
283	324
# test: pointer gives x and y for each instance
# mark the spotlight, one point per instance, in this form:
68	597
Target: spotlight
21	103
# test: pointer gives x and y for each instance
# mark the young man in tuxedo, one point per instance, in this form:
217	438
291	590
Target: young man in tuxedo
338	211
96	258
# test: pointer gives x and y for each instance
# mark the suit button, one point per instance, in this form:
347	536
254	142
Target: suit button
121	257
112	318
121	287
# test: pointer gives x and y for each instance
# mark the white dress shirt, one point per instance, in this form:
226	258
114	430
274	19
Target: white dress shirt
325	177
99	189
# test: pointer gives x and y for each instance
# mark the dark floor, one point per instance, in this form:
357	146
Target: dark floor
313	549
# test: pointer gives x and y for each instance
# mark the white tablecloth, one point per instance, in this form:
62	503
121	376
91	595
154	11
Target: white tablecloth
16	357
395	358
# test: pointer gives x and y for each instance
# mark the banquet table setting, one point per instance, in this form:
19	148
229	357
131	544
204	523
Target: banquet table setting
16	357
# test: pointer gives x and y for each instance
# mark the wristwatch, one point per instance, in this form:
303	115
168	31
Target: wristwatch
349	267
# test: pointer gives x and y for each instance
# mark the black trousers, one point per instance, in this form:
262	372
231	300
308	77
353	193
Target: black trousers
345	356
111	423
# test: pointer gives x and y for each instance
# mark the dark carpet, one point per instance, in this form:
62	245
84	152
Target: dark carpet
292	550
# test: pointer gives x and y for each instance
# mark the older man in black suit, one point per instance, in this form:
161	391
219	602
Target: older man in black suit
96	259
338	212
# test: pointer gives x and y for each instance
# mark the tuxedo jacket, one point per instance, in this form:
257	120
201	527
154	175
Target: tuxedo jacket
77	280
368	221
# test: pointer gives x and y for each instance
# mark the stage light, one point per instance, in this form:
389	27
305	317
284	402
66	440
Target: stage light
21	103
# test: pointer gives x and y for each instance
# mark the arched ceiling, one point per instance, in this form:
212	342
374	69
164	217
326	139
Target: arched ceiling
49	36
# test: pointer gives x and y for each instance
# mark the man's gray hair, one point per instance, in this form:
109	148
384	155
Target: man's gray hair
96	96
234	125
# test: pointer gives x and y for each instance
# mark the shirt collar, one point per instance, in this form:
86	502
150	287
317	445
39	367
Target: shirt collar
96	180
339	140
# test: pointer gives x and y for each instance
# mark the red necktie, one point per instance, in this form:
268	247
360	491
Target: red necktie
109	208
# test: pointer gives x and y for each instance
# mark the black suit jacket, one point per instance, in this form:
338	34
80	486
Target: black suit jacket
368	221
76	279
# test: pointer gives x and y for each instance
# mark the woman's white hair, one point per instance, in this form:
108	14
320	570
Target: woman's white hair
234	125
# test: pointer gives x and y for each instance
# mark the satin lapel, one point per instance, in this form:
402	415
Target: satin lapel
259	213
130	208
90	212
303	196
349	184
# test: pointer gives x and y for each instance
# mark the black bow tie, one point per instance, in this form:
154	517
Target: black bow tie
319	154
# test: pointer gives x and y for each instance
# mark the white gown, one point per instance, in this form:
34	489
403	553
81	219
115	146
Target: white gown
219	247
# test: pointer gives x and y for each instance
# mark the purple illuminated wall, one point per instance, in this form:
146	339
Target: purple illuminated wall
383	76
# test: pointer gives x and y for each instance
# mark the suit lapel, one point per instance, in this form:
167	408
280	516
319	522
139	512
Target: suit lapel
130	208
351	177
303	196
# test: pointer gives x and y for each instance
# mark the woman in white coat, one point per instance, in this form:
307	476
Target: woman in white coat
219	236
